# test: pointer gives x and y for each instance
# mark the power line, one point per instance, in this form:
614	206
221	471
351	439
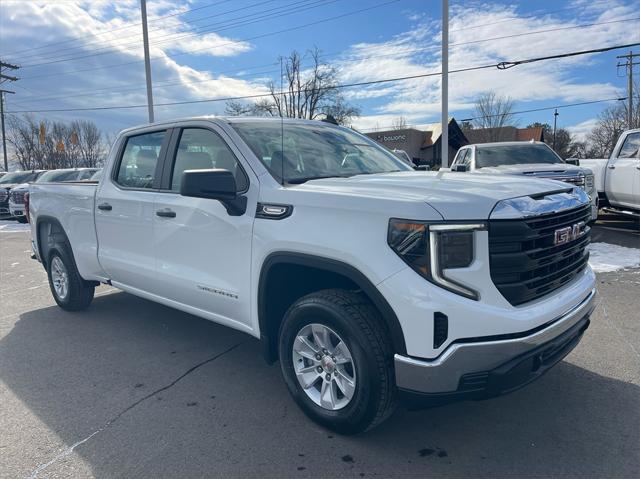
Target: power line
333	18
114	49
135	25
339	86
567	105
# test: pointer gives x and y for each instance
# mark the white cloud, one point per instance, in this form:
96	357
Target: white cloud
582	129
556	80
108	33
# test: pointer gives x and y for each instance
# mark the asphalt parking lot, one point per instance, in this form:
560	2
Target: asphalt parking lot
130	388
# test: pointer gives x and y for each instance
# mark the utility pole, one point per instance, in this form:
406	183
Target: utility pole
555	123
147	63
3	78
444	137
629	64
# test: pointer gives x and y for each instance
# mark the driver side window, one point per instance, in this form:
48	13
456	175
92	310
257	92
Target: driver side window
200	149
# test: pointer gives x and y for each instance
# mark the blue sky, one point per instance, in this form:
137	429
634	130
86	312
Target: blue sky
212	52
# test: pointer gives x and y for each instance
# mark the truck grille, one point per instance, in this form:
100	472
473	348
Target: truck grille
4	195
17	197
526	264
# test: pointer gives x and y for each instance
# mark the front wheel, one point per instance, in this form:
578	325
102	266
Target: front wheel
71	292
337	361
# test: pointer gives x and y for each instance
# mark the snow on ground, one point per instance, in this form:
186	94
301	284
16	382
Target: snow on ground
605	257
11	226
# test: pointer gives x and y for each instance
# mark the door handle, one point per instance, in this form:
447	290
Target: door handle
166	213
611	167
105	207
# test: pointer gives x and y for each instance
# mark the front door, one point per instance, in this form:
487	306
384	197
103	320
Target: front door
623	173
125	211
203	254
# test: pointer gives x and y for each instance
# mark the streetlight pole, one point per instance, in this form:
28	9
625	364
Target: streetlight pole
4	135
555	122
147	63
444	137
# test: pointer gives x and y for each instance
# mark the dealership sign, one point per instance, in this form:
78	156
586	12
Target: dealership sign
384	138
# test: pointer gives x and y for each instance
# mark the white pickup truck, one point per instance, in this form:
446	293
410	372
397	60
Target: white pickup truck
617	179
532	159
370	282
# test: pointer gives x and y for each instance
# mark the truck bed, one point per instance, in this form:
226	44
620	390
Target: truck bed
73	205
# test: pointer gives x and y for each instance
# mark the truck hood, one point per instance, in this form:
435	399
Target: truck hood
456	196
538	169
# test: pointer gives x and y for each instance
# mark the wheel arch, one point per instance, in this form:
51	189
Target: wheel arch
312	273
55	228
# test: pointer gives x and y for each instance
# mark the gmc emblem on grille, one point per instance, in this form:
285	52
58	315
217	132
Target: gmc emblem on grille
569	233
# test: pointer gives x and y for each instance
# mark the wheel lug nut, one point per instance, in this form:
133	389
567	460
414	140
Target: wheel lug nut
328	377
319	369
318	356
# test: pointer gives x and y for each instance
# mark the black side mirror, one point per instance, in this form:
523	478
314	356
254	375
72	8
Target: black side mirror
214	184
573	161
460	168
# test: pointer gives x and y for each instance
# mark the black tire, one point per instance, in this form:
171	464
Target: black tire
80	292
358	323
21	219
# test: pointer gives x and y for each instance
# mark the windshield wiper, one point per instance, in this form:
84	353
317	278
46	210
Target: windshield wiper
299	181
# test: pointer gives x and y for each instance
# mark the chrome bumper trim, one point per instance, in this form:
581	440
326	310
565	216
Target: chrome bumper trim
442	375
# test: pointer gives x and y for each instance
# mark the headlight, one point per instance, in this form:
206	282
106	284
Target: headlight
589	181
430	249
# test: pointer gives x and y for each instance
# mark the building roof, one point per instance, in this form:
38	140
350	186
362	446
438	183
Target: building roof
505	133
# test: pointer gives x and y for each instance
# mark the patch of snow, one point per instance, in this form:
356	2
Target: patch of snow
11	226
605	257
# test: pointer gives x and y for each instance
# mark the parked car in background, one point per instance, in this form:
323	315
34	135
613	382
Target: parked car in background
617	179
404	156
366	279
2	173
17	194
11	180
532	159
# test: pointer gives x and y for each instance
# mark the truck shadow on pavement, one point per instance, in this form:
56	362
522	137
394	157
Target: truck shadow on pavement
159	393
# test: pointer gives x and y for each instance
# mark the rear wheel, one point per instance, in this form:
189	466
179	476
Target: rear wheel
337	361
70	291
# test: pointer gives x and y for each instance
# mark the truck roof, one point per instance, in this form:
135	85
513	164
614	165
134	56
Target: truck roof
506	143
226	119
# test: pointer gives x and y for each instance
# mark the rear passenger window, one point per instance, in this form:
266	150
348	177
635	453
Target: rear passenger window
139	160
201	149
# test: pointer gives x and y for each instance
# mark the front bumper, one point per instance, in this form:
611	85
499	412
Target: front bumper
486	367
16	209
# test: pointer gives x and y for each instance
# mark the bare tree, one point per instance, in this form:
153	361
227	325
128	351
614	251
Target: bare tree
78	144
306	93
493	112
611	123
399	123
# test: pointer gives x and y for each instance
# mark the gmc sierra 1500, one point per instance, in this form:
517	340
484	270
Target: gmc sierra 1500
367	280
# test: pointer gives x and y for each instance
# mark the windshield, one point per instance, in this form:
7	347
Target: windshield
18	177
515	155
311	151
58	175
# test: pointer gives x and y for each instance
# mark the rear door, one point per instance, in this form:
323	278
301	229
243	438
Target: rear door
622	177
203	254
125	210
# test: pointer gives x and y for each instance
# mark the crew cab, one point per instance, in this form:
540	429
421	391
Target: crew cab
617	178
10	181
369	282
532	159
18	193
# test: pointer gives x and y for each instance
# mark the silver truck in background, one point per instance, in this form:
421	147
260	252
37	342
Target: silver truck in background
532	159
